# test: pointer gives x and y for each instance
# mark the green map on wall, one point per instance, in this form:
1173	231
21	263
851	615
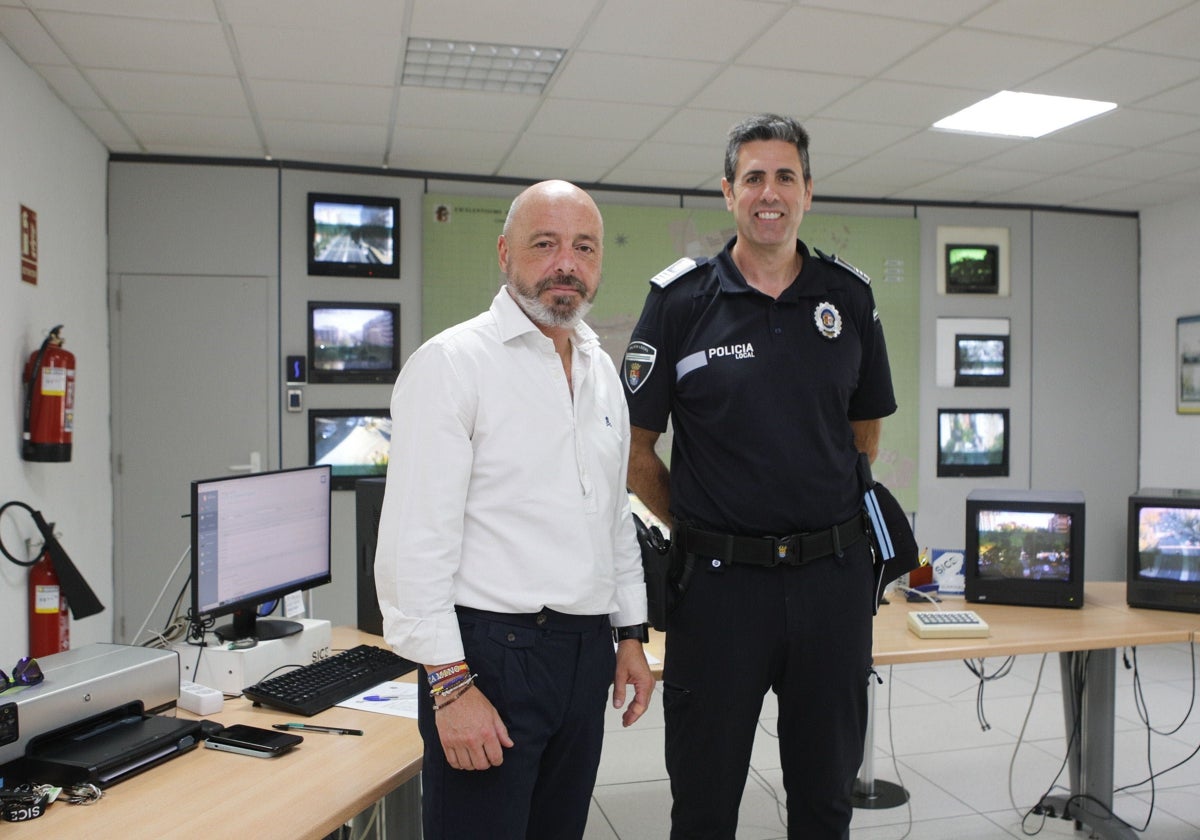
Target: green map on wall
461	276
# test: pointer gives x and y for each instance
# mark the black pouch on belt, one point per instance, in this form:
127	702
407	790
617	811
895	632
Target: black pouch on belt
656	569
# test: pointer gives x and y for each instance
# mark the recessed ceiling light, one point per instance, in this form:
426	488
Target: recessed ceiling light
463	65
1012	114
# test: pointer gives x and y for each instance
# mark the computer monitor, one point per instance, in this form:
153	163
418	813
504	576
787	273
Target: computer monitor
255	538
1164	549
981	361
353	341
1024	547
354	442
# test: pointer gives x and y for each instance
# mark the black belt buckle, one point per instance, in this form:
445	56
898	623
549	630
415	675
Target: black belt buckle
785	551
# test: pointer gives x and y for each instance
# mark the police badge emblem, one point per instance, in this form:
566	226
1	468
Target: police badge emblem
637	365
828	320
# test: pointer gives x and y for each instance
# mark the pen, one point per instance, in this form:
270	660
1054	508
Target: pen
309	727
381	697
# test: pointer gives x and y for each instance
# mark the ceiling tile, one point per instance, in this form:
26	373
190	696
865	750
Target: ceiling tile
1080	21
1117	76
183	47
297	140
158	132
609	78
931	11
475	153
1175	34
542	156
360	15
899	103
202	10
611	120
791	92
316	55
70	84
292	101
28	39
519	22
673	29
854	44
464	109
135	91
984	61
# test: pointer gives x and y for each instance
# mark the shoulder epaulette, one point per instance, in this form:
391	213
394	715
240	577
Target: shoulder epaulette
675	270
838	261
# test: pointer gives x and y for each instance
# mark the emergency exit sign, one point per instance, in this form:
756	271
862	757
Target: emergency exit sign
29	245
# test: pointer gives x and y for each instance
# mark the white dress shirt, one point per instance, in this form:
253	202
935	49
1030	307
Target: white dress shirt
504	491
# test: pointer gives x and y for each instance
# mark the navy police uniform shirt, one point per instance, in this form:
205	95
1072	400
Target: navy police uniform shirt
759	391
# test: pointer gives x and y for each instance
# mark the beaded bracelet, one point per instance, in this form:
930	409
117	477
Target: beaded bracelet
458	692
449	683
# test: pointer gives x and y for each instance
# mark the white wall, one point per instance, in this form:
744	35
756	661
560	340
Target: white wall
52	164
1170	289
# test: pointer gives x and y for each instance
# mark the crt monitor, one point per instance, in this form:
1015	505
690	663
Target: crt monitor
1024	547
1164	549
255	538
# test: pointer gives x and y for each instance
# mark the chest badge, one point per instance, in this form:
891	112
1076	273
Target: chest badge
638	362
828	320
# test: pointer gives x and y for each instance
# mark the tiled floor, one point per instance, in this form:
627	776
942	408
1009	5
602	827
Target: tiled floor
963	781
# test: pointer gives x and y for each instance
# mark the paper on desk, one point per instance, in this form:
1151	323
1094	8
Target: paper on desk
401	699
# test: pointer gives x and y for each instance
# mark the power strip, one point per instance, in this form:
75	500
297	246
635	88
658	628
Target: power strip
200	699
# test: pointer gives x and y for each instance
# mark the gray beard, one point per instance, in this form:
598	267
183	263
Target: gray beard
549	316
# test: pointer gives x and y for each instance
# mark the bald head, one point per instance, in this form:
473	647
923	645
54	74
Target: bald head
551	251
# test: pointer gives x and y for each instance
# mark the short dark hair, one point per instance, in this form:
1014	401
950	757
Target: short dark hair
766	127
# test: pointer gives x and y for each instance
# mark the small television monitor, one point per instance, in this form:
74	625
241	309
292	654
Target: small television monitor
353	342
972	269
972	442
1164	550
255	538
1024	547
981	361
353	442
353	235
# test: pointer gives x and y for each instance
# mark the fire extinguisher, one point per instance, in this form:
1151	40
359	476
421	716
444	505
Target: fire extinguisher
49	419
55	586
49	624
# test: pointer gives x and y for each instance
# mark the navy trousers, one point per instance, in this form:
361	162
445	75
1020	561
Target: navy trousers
802	632
548	676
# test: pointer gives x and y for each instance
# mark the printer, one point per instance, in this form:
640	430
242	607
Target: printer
82	687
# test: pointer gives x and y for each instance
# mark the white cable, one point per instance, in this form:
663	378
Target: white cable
162	592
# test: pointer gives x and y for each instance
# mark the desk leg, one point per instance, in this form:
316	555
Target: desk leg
1090	757
399	814
870	793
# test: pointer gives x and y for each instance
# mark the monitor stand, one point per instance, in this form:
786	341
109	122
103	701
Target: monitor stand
247	625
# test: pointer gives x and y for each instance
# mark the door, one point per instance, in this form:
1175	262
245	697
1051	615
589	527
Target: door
194	394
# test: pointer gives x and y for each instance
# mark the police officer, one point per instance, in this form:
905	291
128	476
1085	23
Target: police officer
769	361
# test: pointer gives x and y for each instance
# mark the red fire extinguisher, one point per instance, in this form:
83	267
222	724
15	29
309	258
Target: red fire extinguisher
49	624
49	401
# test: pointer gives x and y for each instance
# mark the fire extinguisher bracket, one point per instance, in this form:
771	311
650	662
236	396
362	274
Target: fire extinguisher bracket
80	597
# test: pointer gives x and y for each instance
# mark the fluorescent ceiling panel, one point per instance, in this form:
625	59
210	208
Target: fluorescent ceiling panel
1012	114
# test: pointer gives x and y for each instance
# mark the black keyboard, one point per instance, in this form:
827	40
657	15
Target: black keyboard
314	688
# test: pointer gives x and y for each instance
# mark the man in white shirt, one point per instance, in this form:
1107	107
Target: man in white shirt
507	562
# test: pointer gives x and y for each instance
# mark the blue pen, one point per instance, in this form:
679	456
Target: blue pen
379	697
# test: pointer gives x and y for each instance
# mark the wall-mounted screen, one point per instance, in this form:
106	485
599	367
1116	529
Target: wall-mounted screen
972	269
353	342
353	235
972	442
354	442
981	361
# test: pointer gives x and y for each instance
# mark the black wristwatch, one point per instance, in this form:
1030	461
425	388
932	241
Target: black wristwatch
633	631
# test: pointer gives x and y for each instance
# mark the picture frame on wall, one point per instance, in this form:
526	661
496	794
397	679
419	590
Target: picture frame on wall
1187	355
972	261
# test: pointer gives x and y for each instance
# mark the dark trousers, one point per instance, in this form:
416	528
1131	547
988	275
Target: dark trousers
548	676
803	632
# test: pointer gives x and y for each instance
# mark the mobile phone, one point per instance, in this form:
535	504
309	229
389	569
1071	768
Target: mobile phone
251	740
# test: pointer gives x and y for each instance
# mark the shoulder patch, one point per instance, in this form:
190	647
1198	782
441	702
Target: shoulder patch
674	271
838	261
